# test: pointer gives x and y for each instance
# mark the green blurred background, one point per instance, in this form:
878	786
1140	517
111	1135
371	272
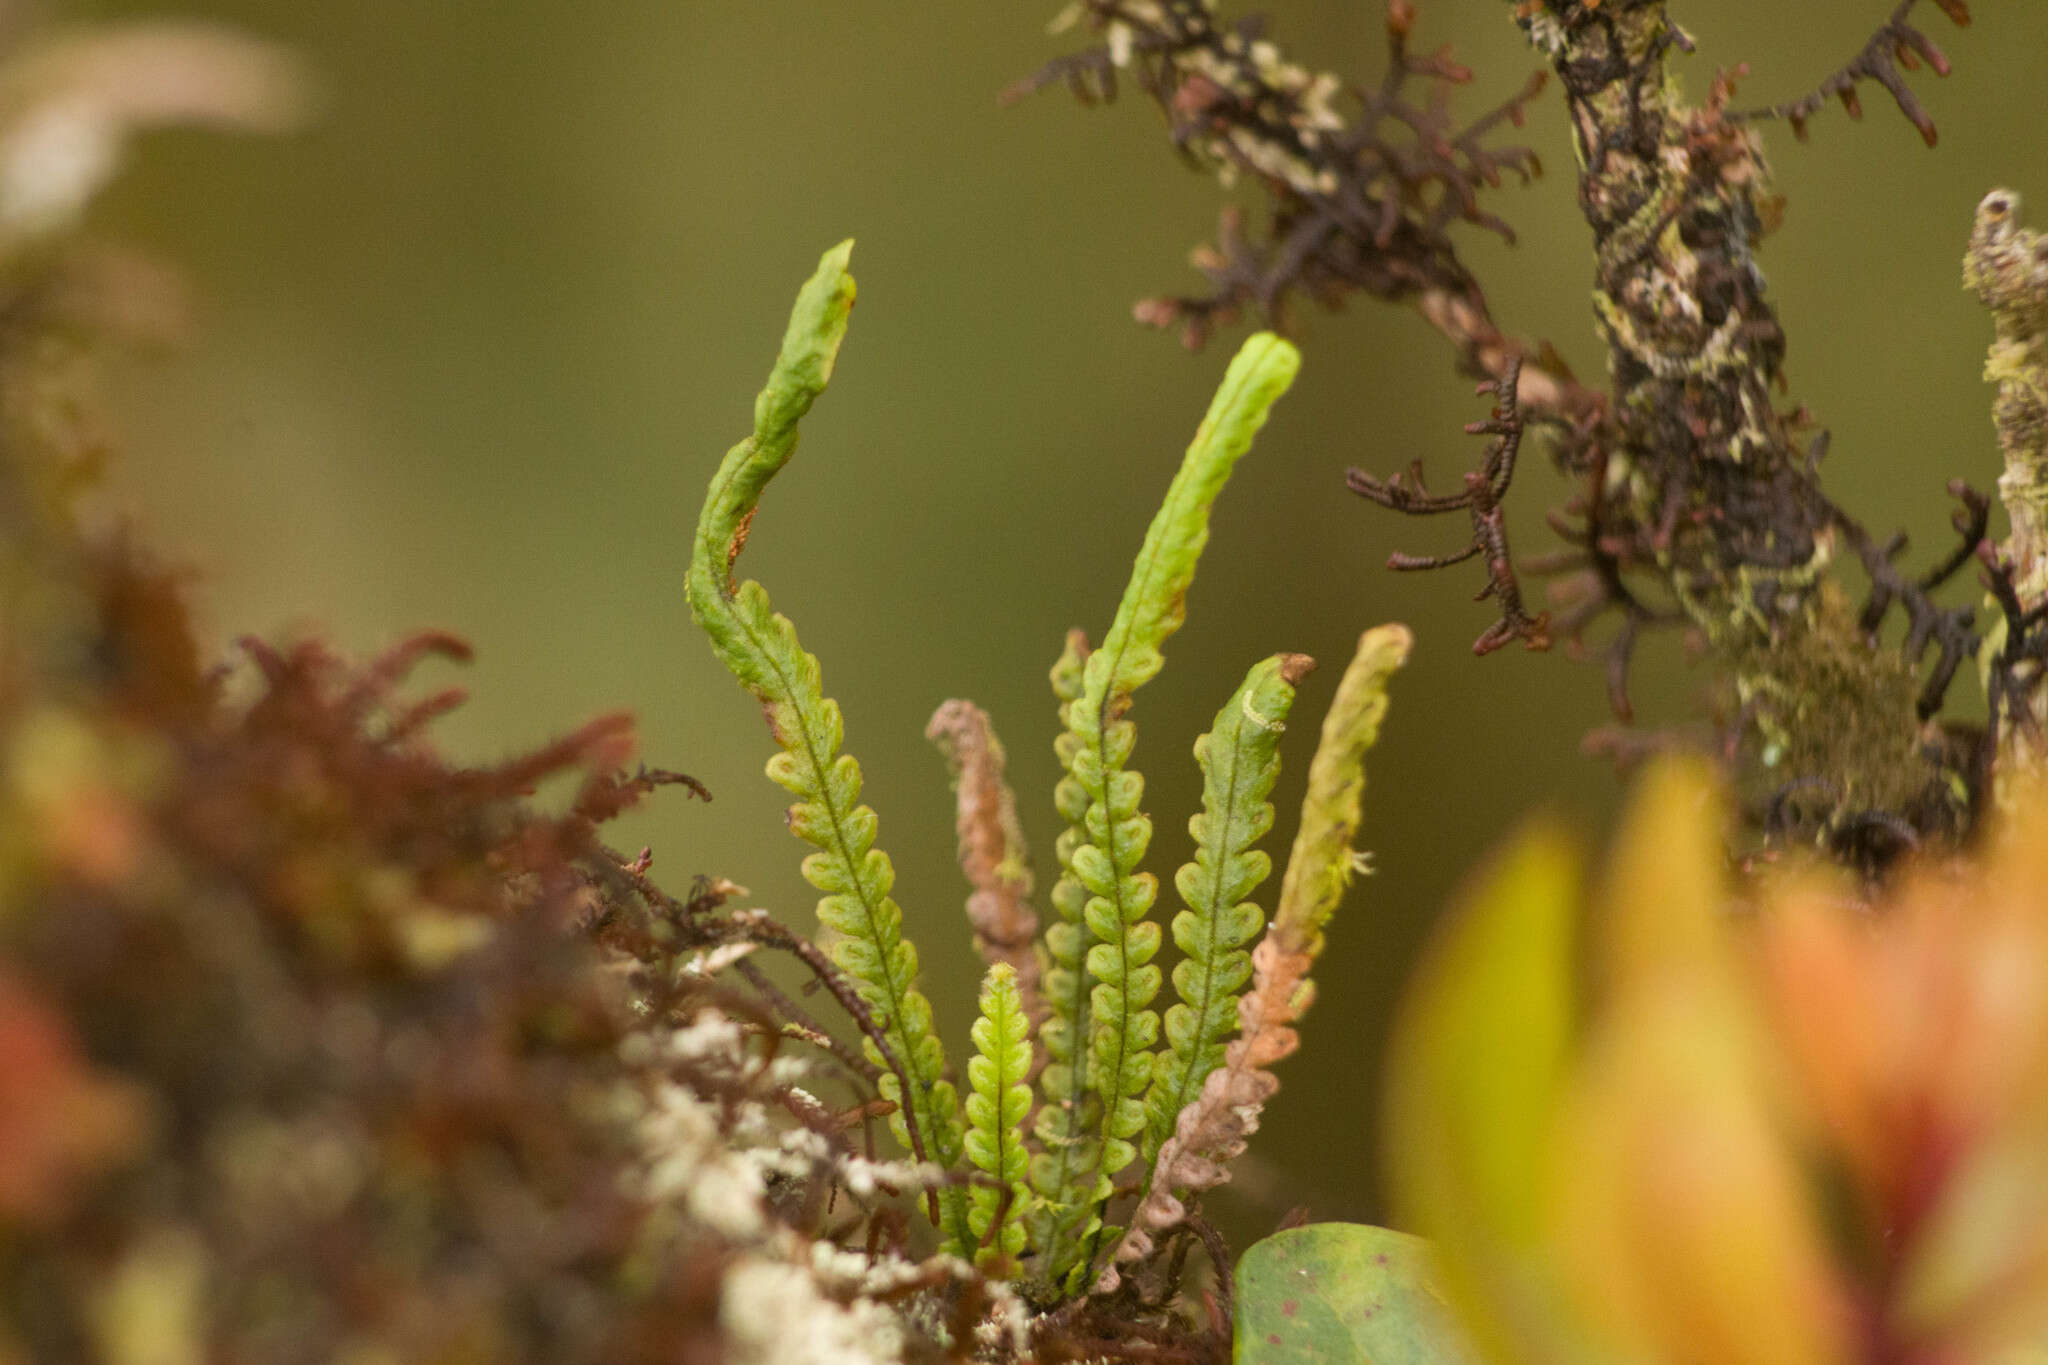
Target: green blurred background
469	350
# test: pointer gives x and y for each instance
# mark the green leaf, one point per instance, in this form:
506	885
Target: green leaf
1322	863
1065	1124
1336	1292
996	1108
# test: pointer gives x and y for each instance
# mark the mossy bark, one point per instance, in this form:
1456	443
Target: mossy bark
1704	468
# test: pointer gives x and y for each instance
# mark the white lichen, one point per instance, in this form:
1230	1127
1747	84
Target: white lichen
774	1314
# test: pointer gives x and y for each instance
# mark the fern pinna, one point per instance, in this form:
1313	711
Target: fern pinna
1030	1200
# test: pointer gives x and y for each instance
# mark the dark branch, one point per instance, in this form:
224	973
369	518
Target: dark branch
1485	488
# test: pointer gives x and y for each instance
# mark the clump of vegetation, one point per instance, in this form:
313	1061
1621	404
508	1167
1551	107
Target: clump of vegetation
314	1045
323	1047
317	1046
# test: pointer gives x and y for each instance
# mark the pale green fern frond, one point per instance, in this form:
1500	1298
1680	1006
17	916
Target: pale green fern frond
1065	1126
759	647
1322	861
997	1102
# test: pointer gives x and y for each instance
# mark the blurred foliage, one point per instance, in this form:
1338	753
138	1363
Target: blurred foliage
1784	1119
460	331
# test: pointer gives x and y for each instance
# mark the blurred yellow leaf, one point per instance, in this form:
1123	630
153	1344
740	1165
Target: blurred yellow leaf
1478	1055
1684	1223
1663	892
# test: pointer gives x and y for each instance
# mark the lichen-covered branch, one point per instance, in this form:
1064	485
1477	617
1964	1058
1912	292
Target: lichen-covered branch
2007	268
759	647
1701	504
1366	180
1705	486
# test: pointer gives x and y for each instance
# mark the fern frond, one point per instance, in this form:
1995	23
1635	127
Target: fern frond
1065	1125
1210	1133
1240	760
996	1108
1322	863
1122	1027
759	647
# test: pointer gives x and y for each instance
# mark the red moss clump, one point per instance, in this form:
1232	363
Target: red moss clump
303	1053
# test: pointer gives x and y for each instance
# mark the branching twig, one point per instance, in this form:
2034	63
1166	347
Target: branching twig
1897	44
756	926
1484	490
1363	197
1947	629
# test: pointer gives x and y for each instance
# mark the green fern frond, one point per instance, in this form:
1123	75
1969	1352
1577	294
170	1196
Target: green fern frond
1066	1122
1122	1027
1322	862
759	647
1240	760
997	1104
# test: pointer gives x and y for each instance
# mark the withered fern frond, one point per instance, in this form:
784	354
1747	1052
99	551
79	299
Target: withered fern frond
993	853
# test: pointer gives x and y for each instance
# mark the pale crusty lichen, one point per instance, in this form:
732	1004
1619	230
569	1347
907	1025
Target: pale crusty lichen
774	1313
784	1297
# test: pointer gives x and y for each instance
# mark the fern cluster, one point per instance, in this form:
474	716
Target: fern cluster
1031	1199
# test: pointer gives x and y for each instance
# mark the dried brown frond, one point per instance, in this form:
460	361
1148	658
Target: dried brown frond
992	848
1213	1131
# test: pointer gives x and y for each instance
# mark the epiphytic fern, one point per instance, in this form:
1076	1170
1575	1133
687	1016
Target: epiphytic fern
1103	1094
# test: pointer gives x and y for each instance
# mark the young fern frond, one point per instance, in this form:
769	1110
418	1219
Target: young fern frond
1322	861
759	647
997	1104
1122	1027
1240	760
1065	1125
